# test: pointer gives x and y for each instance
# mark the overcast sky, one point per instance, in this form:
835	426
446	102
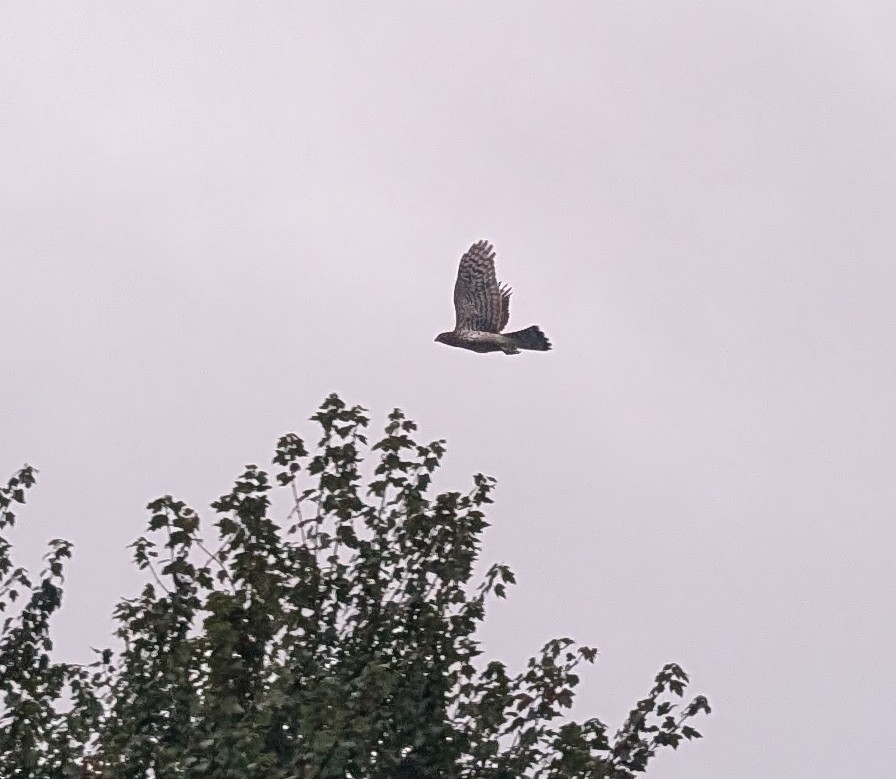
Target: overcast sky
212	215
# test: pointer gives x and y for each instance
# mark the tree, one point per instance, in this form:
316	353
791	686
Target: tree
342	645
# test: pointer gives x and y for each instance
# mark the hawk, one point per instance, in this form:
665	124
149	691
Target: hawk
482	309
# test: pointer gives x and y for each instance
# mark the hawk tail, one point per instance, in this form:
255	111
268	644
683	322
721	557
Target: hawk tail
530	338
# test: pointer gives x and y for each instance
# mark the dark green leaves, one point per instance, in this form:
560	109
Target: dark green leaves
319	629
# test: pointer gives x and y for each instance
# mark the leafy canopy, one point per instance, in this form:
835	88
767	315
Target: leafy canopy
339	643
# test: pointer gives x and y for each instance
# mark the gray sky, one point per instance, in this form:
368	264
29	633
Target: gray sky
213	215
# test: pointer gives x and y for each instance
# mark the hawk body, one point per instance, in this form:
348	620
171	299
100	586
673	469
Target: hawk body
482	308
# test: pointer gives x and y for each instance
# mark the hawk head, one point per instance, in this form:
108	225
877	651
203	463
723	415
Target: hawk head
445	338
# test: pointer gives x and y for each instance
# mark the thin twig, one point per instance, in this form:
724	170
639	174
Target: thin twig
213	556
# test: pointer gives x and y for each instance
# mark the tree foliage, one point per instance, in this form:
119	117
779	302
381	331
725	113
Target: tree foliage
340	642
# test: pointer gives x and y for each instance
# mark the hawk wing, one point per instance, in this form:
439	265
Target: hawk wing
479	302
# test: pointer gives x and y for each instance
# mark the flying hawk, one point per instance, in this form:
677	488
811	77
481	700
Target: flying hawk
482	308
